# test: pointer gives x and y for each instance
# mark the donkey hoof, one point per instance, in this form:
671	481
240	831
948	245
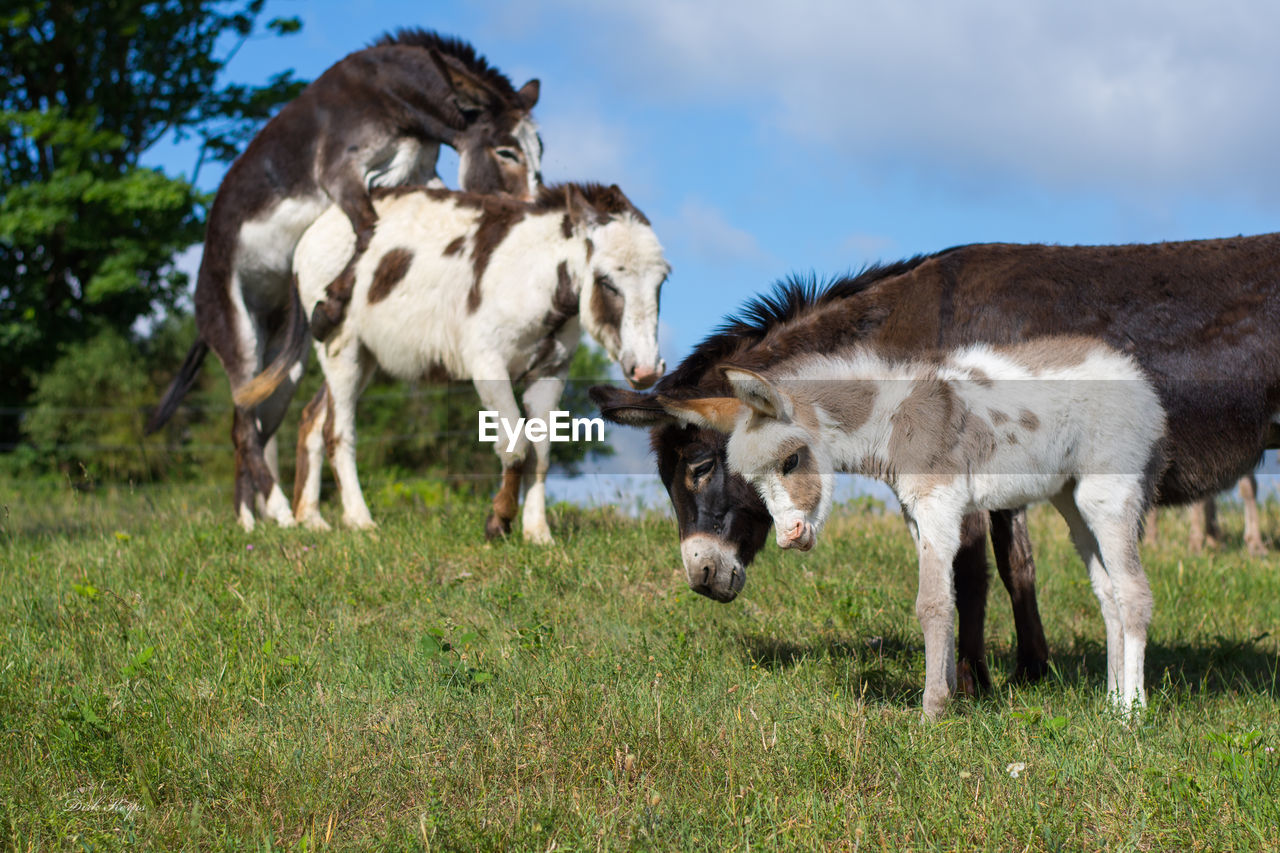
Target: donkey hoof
966	682
495	527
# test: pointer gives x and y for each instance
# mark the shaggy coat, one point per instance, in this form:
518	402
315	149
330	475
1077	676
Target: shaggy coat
376	118
1063	419
465	287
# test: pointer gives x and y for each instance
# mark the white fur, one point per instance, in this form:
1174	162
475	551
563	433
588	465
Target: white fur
425	321
1091	451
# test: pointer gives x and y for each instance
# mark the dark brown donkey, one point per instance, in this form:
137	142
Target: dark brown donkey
1202	318
377	118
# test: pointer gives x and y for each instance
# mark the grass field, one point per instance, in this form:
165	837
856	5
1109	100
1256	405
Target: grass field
168	682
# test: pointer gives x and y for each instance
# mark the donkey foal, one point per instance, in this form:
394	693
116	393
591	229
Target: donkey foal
1069	420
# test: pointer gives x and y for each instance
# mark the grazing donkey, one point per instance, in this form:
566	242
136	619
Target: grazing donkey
1202	318
1065	419
462	286
376	118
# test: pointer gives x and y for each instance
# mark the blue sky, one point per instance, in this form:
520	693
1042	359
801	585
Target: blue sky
764	138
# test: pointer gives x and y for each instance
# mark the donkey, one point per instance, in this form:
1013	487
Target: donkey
1201	317
376	118
1068	420
463	286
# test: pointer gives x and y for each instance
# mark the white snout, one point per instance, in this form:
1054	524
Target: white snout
639	374
796	532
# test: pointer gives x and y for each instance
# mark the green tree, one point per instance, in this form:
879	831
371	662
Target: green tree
87	234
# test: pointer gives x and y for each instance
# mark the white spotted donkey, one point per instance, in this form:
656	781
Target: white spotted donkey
1068	419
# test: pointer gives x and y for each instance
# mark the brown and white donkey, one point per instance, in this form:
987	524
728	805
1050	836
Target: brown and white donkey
1069	420
470	287
377	118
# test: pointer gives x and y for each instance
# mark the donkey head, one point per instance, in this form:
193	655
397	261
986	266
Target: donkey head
499	149
619	300
722	521
774	444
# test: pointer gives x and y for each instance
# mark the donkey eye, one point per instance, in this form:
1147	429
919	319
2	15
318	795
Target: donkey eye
789	464
508	154
607	283
702	469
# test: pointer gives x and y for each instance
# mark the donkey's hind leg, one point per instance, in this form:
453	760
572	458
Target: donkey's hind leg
1087	547
1112	506
970	572
1011	543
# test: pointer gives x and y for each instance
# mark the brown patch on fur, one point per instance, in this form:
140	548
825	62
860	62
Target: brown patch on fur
495	223
591	248
606	201
997	417
566	227
850	403
804	484
455	246
330	438
306	425
564	304
505	503
1027	420
392	268
606	309
1067	351
982	380
935	434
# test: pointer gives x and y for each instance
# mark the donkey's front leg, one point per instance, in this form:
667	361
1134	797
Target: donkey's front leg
938	539
539	400
496	395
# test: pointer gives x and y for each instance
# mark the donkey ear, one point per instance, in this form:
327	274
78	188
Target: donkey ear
581	212
470	95
717	413
528	94
764	398
630	408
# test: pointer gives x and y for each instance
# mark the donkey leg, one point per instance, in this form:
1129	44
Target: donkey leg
312	428
1087	547
1011	543
539	399
971	573
1113	514
253	477
347	188
497	395
1203	521
938	541
1252	523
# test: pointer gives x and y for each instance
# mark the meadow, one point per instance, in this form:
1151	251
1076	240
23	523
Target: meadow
167	682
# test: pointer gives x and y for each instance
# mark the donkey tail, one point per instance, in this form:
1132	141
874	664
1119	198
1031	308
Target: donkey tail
263	385
179	387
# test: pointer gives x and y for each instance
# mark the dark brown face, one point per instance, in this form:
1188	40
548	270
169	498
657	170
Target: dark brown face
502	154
722	521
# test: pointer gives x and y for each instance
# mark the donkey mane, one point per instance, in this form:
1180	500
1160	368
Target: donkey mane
795	298
451	46
607	200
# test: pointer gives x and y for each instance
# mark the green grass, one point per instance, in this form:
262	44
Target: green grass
168	682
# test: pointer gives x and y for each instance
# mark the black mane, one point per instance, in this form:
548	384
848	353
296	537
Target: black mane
452	46
790	299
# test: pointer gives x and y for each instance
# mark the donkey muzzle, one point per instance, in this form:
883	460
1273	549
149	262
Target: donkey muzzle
642	376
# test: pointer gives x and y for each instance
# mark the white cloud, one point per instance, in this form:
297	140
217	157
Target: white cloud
704	232
1145	95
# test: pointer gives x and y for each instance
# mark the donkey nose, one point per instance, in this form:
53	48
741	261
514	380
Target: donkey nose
643	377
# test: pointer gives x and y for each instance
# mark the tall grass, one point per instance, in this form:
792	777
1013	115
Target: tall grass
168	682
